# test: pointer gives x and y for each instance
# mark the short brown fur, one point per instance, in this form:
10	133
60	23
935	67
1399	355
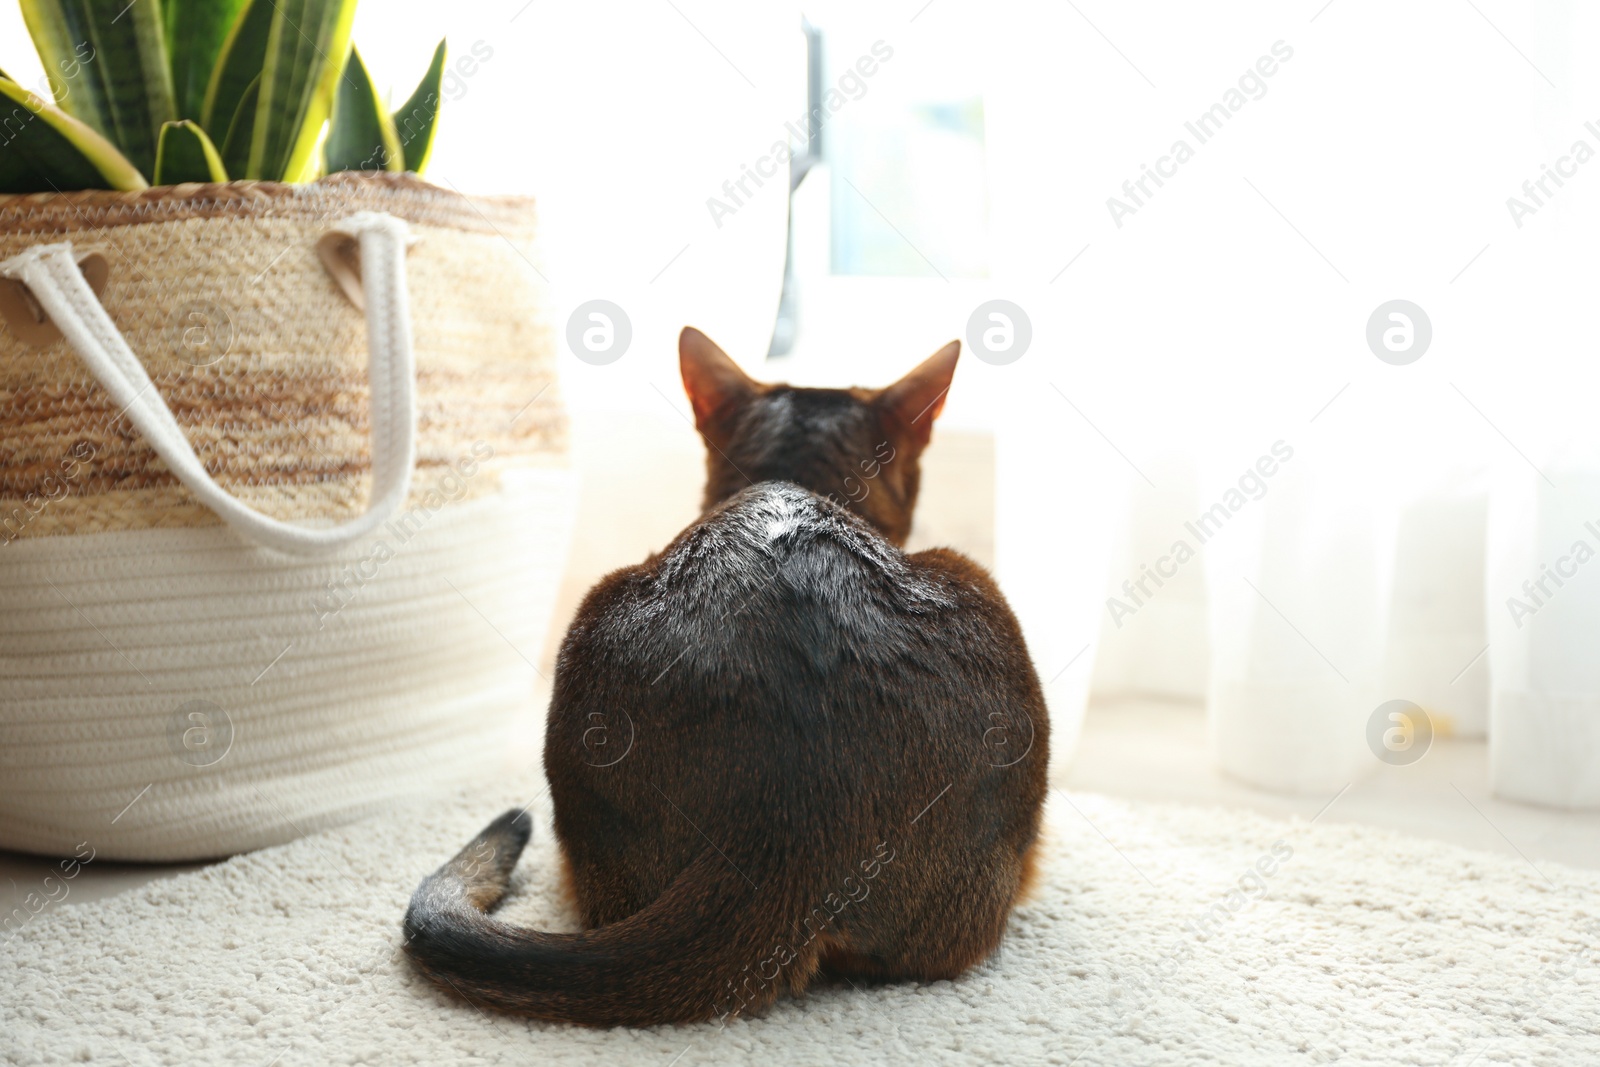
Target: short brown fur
779	747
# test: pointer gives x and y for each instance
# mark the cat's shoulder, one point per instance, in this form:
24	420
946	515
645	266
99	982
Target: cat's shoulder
780	519
955	567
775	510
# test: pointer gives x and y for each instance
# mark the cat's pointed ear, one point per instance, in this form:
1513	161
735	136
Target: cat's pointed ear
714	382
916	400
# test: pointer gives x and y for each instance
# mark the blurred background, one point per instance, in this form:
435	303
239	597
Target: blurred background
1200	219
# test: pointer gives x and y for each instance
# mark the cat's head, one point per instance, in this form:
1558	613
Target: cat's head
860	447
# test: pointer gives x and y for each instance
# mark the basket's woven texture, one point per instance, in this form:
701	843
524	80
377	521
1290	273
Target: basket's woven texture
169	691
325	688
219	291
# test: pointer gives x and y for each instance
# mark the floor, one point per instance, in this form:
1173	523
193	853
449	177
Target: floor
1134	748
1157	750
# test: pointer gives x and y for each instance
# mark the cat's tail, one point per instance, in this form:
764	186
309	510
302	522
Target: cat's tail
711	946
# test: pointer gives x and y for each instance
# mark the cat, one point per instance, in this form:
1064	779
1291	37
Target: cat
779	748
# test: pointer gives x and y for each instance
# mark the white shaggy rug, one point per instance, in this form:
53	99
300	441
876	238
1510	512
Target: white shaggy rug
1358	946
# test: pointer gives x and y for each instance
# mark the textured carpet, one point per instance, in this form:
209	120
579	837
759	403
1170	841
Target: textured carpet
1324	942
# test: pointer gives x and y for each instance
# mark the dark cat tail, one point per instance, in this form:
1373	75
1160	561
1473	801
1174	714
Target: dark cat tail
709	947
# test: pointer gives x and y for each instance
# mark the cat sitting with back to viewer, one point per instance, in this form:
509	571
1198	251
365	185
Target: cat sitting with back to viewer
780	747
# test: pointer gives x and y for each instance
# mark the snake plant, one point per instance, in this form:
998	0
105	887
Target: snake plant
167	91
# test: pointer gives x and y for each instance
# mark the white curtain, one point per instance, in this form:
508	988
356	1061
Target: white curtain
1229	312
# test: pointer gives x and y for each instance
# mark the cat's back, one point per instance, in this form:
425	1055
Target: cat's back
776	572
777	532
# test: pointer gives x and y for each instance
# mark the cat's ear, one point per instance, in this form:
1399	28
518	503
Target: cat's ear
714	382
916	400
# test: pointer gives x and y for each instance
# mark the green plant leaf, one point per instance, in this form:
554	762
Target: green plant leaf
306	50
236	142
418	117
186	154
106	61
46	149
362	135
244	51
195	33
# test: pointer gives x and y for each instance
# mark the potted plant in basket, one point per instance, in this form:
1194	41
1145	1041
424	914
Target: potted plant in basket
283	498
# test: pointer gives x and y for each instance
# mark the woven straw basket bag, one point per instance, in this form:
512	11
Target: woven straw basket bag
284	503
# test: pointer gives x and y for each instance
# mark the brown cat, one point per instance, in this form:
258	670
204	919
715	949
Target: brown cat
777	748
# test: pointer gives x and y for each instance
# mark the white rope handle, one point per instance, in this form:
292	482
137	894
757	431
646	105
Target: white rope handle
51	273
